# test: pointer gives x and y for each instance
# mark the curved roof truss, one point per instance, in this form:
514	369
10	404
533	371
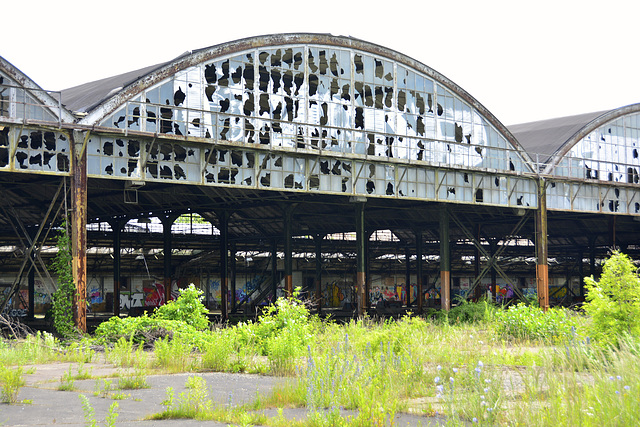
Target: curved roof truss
315	91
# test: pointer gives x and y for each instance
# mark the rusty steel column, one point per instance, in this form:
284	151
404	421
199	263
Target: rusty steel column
542	268
288	256
79	227
318	282
232	275
223	221
360	258
419	275
274	269
116	228
445	261
167	222
407	269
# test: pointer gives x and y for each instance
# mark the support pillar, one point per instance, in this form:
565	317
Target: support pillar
167	222
542	268
419	275
274	269
223	221
116	228
360	258
288	258
445	261
232	275
32	288
318	282
79	227
592	256
478	291
407	271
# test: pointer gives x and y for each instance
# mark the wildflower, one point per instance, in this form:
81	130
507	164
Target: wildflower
619	378
480	364
482	397
486	390
439	367
451	379
475	420
617	391
627	388
455	370
440	388
478	370
489	409
436	380
611	378
487	380
483	403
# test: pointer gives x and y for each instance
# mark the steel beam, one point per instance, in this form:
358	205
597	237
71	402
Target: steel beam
79	227
542	268
223	221
419	275
167	222
288	256
116	227
360	258
318	282
445	260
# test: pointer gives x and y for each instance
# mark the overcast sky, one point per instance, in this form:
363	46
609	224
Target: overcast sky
524	61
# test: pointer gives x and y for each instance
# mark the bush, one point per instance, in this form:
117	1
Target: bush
614	302
528	322
470	312
188	308
287	317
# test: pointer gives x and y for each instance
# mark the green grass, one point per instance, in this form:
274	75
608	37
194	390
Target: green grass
486	365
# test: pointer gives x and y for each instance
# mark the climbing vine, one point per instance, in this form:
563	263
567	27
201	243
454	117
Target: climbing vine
62	308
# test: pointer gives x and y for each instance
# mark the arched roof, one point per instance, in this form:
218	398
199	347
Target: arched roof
99	99
40	97
551	140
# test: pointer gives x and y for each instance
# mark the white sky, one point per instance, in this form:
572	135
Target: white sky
524	61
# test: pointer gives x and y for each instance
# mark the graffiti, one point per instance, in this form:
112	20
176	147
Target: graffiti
15	312
131	299
153	294
336	293
95	296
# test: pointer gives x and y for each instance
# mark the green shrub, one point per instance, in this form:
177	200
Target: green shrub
528	322
287	316
470	312
188	308
614	302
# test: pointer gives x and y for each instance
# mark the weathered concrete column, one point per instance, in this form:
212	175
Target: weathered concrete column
223	222
79	226
288	255
445	261
542	268
360	258
419	275
318	282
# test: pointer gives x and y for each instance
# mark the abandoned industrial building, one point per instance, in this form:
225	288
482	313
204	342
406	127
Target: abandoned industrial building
251	168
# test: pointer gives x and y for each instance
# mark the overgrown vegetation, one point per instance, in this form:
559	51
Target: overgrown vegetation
62	307
614	302
478	363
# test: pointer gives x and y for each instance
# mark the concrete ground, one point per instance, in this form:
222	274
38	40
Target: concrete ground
42	404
